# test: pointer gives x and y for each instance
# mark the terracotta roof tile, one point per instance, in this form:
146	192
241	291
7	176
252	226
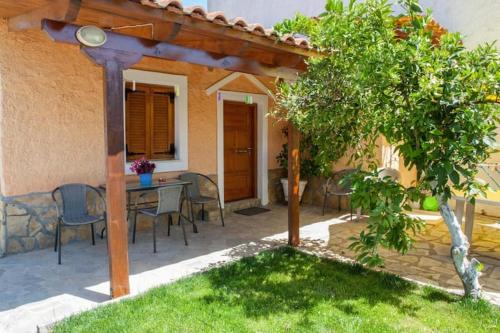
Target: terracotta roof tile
196	12
271	34
217	17
256	29
238	23
288	39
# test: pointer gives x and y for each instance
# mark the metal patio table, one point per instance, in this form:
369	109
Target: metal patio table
137	187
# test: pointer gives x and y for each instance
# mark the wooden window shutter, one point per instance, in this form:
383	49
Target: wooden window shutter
161	105
136	123
150	122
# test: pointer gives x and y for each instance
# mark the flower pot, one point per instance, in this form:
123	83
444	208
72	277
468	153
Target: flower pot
302	187
146	179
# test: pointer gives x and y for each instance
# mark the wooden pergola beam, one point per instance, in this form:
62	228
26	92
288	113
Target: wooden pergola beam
245	49
182	30
65	33
58	10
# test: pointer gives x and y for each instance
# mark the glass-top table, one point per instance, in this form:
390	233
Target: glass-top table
137	187
132	187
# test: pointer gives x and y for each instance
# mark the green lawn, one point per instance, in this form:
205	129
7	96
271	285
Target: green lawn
288	291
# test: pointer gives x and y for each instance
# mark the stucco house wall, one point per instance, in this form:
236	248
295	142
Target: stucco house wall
52	129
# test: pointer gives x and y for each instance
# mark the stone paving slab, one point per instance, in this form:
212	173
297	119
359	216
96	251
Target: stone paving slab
429	261
35	291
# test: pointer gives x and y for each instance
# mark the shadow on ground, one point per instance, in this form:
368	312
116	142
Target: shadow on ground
301	282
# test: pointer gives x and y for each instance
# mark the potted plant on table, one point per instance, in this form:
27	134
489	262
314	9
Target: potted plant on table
144	169
308	166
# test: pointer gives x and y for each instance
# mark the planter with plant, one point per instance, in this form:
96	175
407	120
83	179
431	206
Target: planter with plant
308	167
144	169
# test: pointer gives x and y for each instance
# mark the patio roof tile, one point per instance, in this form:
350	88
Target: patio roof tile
219	18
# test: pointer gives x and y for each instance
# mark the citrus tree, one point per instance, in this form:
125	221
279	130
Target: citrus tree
428	95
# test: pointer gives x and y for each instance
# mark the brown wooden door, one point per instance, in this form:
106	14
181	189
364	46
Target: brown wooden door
239	151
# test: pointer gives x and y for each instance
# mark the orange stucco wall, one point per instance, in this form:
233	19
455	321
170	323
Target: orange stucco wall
51	114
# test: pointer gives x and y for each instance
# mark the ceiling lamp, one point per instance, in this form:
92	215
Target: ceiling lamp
91	36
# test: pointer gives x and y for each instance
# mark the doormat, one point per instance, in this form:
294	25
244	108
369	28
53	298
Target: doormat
252	211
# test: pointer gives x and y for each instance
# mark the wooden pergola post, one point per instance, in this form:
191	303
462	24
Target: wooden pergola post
293	185
114	62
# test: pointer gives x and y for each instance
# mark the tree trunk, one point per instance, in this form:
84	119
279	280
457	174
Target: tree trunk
467	269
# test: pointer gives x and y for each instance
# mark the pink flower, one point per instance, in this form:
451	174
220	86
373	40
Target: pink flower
142	166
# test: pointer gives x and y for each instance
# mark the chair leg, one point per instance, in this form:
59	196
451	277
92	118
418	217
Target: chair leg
325	198
169	224
135	227
93	233
184	233
203	212
180	212
57	237
339	201
129	204
59	250
193	219
154	235
102	232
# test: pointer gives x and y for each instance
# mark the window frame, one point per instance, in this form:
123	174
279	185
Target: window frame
180	84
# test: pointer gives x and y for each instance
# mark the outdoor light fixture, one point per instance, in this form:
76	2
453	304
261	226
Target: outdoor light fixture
91	36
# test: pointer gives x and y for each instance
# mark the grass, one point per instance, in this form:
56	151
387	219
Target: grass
289	291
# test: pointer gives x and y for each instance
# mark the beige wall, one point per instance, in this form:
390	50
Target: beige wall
51	107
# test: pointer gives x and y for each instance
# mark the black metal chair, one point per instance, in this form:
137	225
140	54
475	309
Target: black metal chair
74	212
195	195
169	202
333	187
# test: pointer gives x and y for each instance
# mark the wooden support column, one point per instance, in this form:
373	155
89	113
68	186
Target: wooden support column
114	62
293	185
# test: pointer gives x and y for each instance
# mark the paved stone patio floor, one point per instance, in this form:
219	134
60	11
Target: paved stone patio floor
35	291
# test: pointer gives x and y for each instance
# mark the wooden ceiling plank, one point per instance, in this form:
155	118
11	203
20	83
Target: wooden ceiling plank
88	16
10	8
59	10
175	33
149	14
62	32
166	31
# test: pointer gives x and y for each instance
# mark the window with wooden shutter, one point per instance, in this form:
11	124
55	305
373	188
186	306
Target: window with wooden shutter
150	122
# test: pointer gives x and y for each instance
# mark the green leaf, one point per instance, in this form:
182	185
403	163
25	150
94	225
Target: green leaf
454	177
415	7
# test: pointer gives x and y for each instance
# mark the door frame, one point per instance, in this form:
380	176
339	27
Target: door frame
262	138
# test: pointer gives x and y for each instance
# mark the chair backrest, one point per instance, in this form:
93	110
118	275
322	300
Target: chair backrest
74	199
339	175
388	172
169	199
193	188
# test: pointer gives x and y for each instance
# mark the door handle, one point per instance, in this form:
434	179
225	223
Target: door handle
243	150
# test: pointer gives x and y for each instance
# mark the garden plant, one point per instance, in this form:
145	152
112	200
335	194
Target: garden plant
412	82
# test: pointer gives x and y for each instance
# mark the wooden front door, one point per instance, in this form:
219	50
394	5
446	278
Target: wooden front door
239	151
